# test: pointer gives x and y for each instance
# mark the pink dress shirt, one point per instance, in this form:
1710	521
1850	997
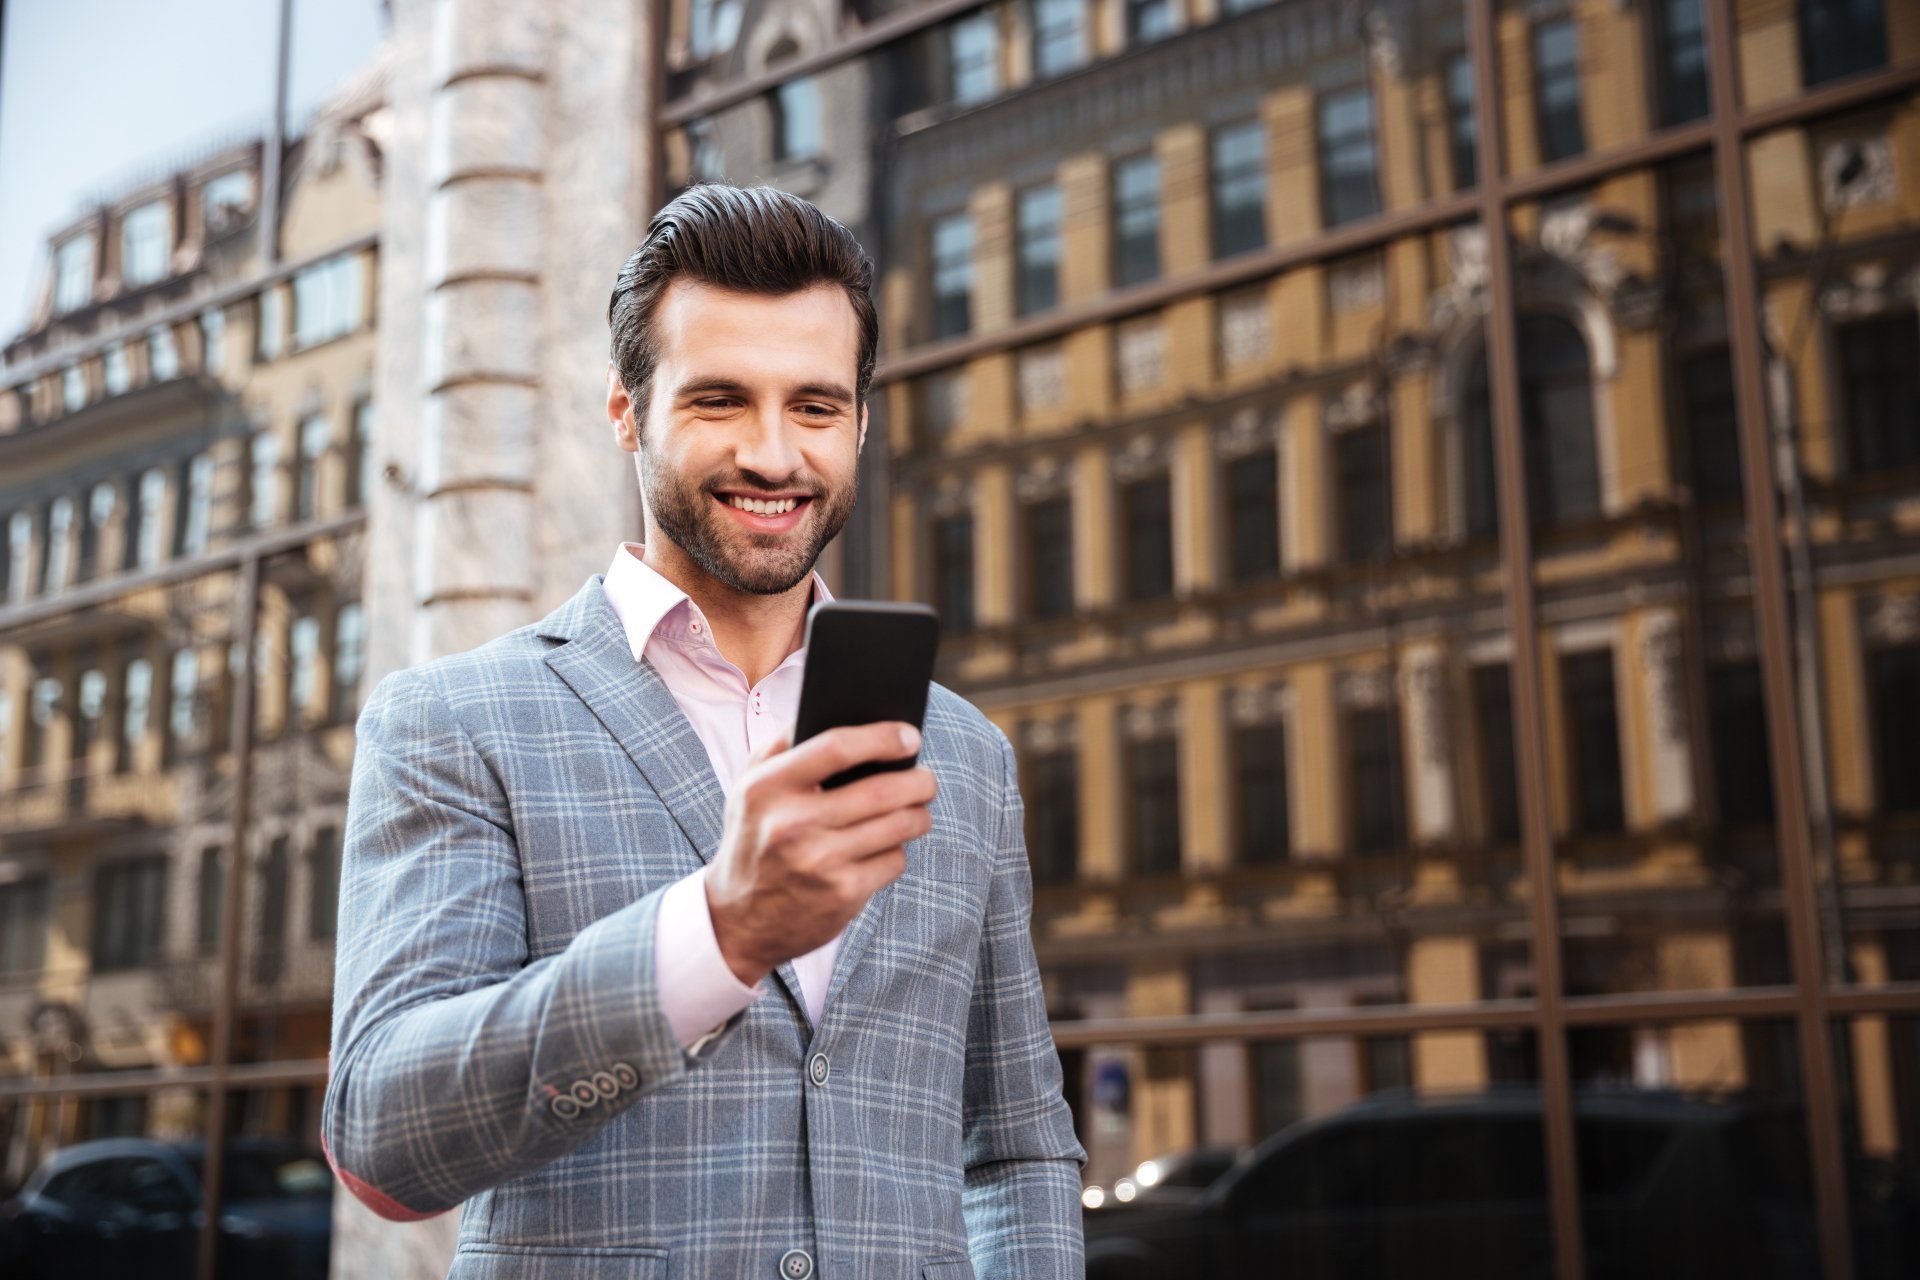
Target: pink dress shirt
698	990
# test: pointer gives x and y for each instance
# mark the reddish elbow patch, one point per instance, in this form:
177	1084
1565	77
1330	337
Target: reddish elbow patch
372	1197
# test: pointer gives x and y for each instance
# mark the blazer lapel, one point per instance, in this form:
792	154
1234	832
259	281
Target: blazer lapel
634	704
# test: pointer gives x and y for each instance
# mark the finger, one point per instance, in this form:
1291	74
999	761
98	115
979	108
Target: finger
770	748
825	754
871	796
877	834
872	874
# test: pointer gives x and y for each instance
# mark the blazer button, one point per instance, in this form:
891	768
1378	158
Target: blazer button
584	1093
564	1107
796	1264
817	1069
605	1083
624	1073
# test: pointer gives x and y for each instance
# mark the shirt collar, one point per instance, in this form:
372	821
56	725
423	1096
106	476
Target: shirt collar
648	604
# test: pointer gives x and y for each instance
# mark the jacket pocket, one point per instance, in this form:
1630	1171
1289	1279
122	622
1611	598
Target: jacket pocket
947	1267
481	1261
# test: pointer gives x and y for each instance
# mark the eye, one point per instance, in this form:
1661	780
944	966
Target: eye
819	410
714	402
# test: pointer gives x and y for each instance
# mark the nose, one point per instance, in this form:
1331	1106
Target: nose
770	449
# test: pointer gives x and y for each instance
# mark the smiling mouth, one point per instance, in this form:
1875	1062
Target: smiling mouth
768	514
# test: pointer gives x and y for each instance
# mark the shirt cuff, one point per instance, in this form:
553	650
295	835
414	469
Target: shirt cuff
698	989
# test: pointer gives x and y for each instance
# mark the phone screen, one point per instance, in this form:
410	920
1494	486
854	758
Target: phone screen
867	660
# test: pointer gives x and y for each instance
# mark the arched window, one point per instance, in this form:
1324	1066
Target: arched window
1556	426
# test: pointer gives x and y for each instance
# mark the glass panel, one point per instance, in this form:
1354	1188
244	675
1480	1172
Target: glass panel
1877	1058
1787	49
1692	1146
277	1189
1321	1157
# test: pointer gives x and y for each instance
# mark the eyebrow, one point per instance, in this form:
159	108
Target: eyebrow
731	386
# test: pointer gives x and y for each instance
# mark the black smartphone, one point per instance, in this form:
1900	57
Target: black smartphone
867	660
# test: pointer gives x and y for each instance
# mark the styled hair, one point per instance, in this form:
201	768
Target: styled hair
748	239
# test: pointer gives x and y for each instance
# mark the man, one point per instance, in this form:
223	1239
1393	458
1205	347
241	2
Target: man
613	969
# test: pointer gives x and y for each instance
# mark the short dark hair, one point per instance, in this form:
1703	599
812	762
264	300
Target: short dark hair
750	239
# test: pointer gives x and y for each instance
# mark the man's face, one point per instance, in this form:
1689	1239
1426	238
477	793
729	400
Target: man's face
751	401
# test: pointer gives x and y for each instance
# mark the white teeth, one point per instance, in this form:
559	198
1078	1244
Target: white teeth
761	507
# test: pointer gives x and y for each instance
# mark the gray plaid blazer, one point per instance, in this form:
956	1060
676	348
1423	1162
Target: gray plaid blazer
516	812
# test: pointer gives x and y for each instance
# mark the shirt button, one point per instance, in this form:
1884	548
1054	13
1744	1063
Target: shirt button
696	626
796	1264
817	1069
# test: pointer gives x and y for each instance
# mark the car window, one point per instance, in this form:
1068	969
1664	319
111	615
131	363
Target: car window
1401	1162
1617	1155
81	1187
149	1186
255	1174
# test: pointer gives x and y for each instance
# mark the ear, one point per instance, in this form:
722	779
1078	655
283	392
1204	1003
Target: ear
620	411
863	429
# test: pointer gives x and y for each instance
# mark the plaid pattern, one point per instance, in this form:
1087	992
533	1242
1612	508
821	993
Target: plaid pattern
498	1039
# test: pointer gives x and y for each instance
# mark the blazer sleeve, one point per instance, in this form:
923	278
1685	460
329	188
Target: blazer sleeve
458	1063
1021	1201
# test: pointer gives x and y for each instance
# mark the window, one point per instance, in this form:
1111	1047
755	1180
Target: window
1244	319
349	659
1840	38
1895	676
1463	127
323	879
1253	516
19	566
1362	492
1556	421
940	405
270	329
796	119
45	699
314	433
183	704
1153	802
262	479
1239	163
73	274
1136	219
1059	36
163	355
53	564
1347	157
1040	378
1683	62
1052	795
303	655
1278	1085
128	902
1039	216
1376	807
101	500
1260	792
226	199
91	707
1593	739
1140	354
1556	90
150	494
1048	545
713	26
270	926
213	339
359	464
136	708
1742	769
73	388
1148	20
973	53
1712	426
952	547
952	275
1493	725
23	926
326	300
145	243
193	505
1146	514
116	370
213	875
1880	374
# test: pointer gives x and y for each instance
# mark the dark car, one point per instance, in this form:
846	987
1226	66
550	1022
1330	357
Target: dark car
1445	1187
132	1206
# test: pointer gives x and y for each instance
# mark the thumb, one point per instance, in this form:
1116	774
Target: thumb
772	746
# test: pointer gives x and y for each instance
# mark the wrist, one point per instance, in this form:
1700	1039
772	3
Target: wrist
734	949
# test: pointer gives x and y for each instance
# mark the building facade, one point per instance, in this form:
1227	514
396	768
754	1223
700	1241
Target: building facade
1350	764
191	397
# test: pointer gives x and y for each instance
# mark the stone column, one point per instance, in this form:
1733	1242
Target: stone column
513	192
1423	681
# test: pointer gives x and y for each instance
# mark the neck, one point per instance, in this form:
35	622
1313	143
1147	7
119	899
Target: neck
755	633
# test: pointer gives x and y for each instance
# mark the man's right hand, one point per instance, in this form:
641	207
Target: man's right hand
797	862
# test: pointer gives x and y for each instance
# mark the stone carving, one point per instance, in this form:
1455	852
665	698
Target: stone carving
1143	455
1246	329
1660	655
1245	432
1043	477
1140	355
1424	687
1042	375
1361	403
1855	172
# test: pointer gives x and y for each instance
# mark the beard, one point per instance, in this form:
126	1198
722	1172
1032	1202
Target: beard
761	564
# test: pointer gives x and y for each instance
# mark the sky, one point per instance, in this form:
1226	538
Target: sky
94	93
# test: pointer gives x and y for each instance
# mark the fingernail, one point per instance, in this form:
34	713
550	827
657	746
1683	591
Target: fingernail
909	737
